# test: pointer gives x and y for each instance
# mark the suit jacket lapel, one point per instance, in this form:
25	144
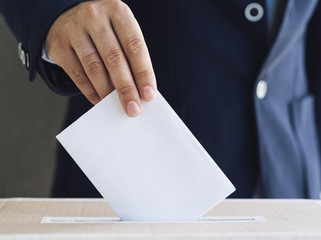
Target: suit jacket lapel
296	16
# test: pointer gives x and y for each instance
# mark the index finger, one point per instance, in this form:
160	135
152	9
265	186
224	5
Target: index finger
132	41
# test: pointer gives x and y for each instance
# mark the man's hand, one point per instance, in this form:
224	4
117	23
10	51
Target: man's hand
99	44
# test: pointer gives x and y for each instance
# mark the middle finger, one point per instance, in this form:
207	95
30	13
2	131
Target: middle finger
114	59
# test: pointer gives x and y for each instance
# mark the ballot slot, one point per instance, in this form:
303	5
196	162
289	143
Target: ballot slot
95	220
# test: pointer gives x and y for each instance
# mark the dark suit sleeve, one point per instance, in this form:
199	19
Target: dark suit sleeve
313	62
30	20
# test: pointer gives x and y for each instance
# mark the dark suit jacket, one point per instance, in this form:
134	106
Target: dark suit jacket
212	65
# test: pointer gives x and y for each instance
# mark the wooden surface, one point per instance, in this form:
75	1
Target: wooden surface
285	219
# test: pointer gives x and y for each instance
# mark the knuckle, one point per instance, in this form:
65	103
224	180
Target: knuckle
69	22
88	57
114	58
89	10
69	26
90	61
95	68
119	8
135	46
126	90
142	76
80	79
125	8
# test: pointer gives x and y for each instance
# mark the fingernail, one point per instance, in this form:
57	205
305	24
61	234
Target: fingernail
148	93
133	109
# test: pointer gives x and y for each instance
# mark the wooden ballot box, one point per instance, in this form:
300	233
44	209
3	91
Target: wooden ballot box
93	219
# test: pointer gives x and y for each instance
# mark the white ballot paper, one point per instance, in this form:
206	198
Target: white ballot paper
148	168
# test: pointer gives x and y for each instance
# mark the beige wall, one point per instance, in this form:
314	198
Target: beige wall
30	117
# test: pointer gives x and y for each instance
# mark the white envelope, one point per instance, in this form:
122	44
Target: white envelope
148	168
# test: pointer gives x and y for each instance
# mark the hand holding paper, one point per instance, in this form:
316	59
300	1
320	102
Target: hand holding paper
148	168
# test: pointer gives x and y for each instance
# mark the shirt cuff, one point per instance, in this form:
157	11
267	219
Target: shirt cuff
45	55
